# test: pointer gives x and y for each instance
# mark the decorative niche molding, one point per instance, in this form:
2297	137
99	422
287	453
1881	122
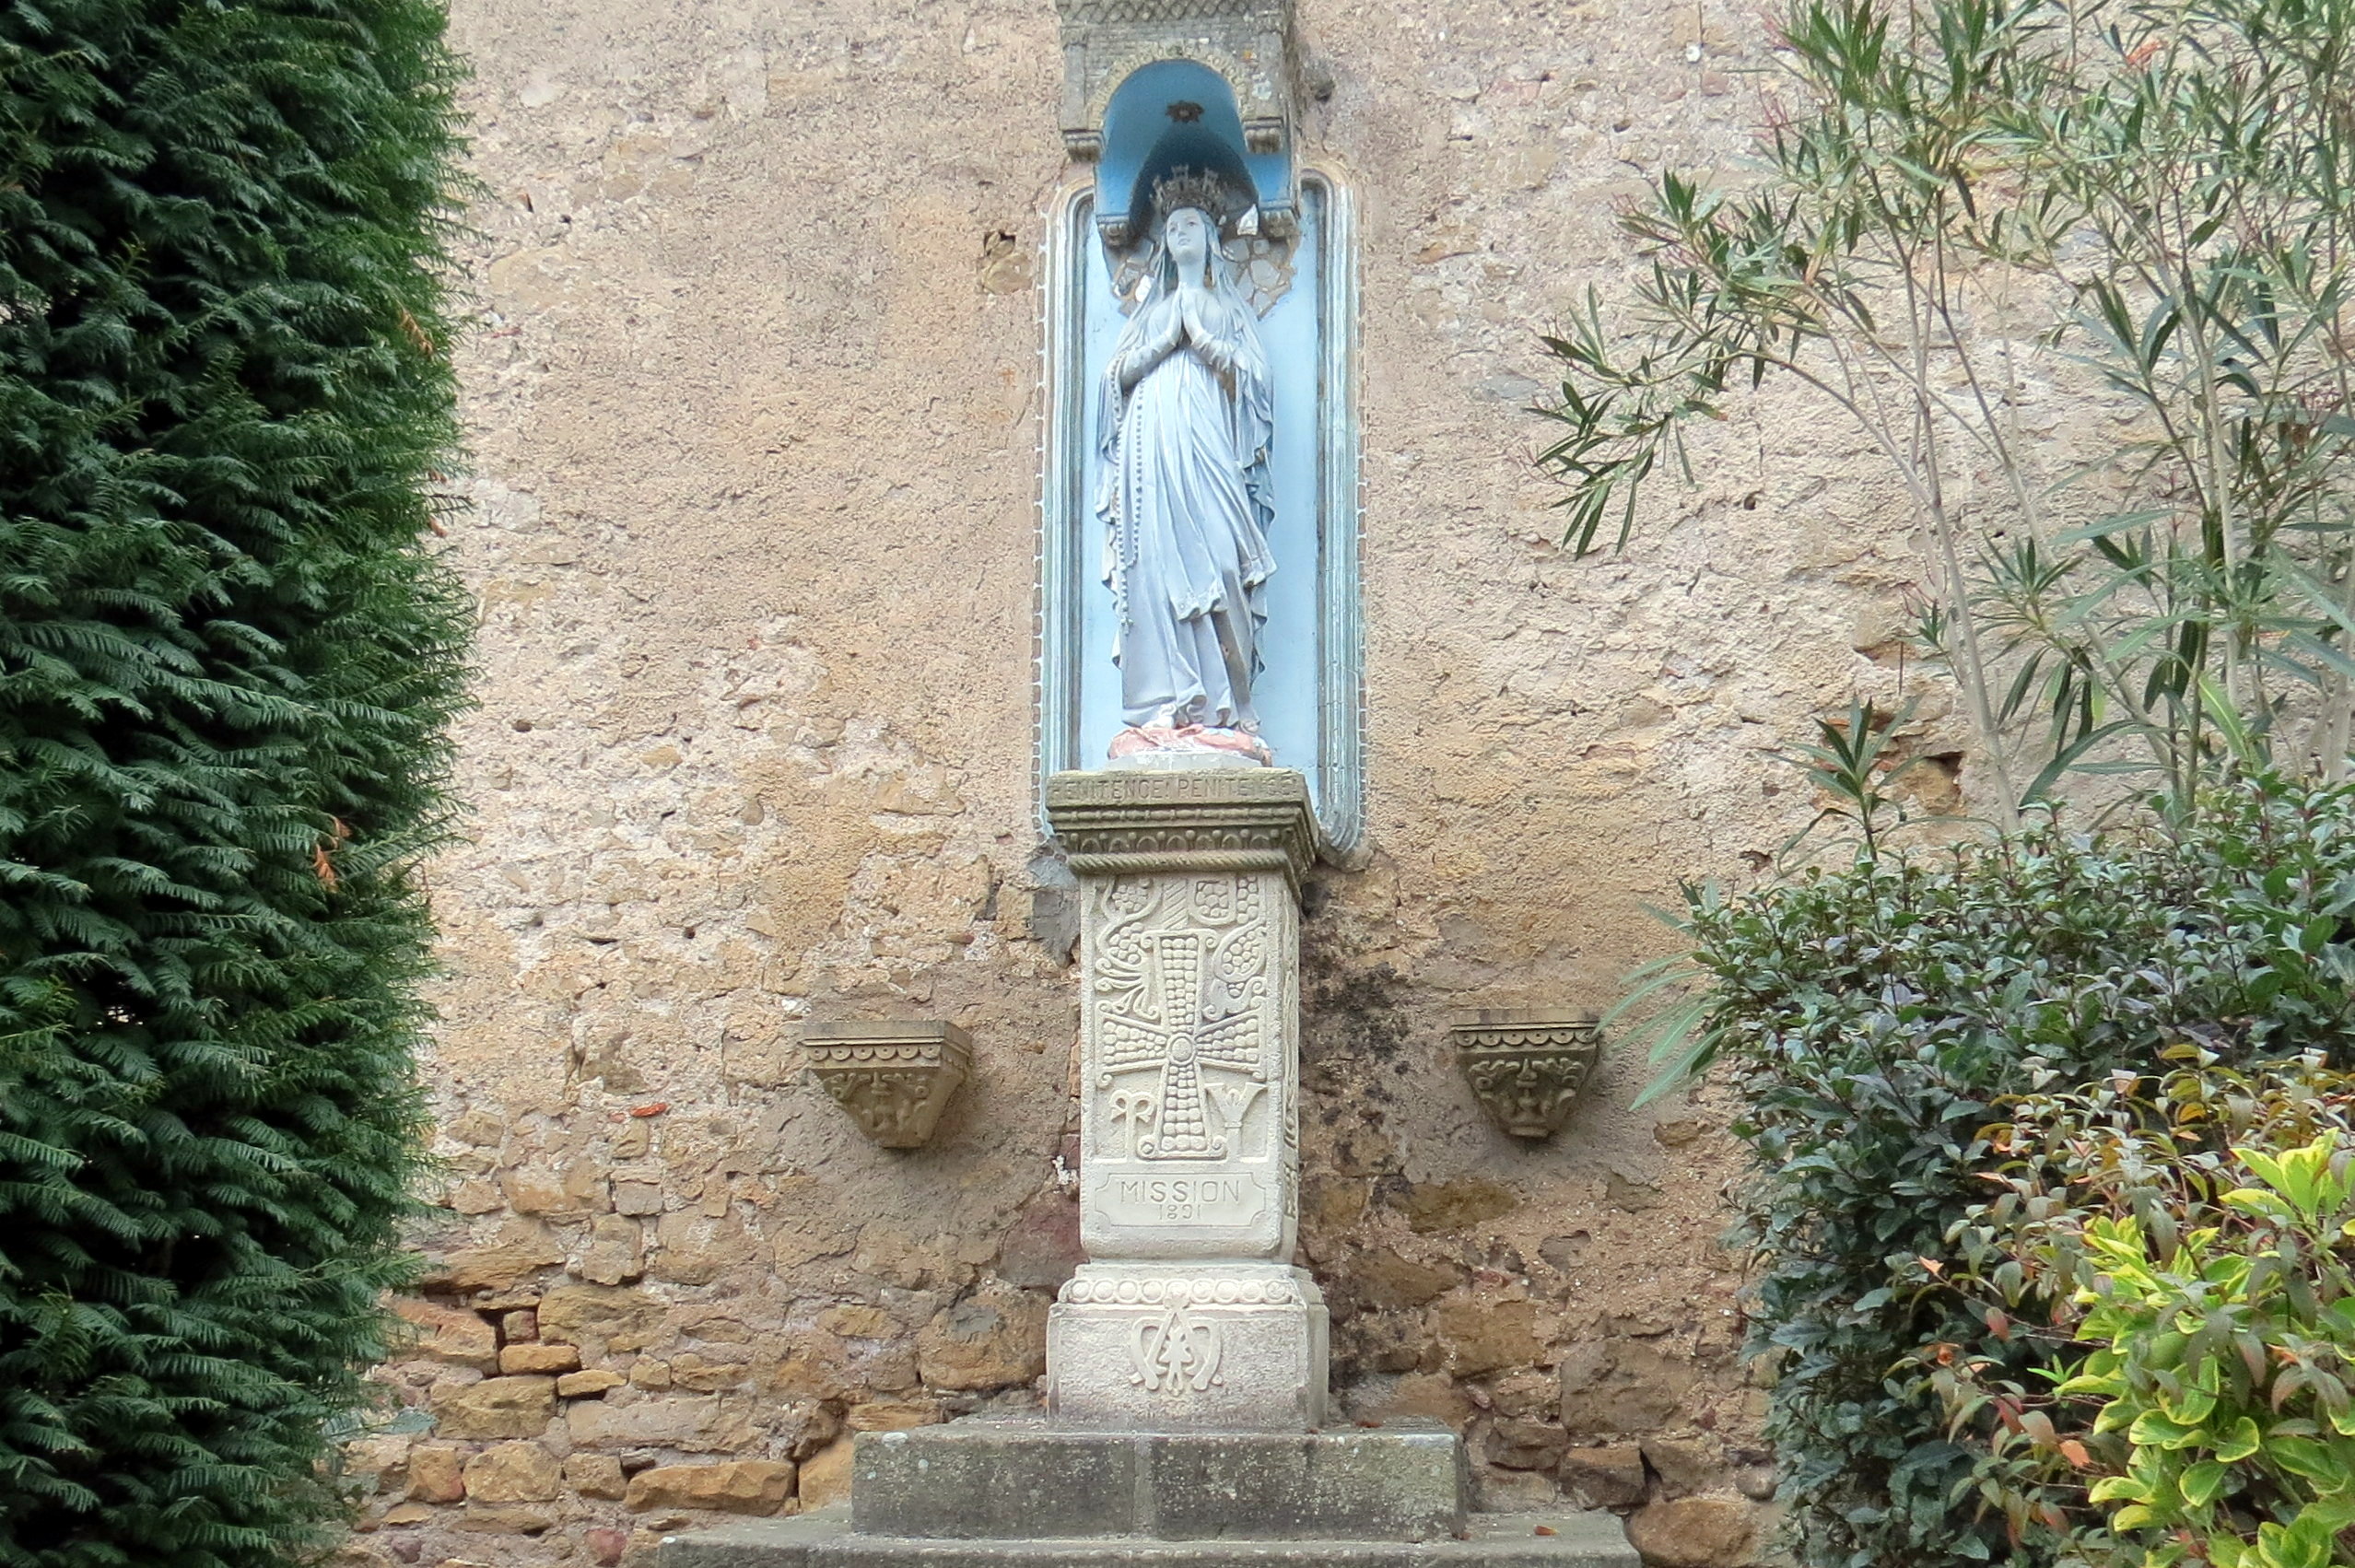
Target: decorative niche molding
1526	1066
895	1076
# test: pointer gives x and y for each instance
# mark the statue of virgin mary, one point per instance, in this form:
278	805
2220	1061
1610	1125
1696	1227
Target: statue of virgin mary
1185	424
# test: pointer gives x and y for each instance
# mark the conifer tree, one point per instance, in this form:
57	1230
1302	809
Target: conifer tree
227	659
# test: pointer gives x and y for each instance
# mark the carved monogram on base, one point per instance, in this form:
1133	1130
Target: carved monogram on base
1177	1352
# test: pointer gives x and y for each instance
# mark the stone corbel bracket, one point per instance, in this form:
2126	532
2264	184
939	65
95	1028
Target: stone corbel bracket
1526	1066
895	1077
1213	819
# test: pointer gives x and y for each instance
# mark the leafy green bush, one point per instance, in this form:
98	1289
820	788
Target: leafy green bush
1873	1018
2197	1248
225	667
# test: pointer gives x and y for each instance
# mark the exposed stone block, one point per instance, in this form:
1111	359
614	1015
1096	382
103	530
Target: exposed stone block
1695	1532
436	1475
739	1486
656	1422
587	1384
450	1334
497	1406
550	1359
523	1249
619	1319
994	1339
1042	1248
596	1475
1685	1466
894	1415
1477	1333
826	1476
1520	1445
513	1472
1621	1386
1608	1477
505	1519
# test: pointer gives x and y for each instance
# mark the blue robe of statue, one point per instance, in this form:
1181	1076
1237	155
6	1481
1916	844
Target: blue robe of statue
1187	500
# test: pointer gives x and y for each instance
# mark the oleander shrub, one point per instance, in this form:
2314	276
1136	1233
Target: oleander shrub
2191	1235
1873	1017
227	657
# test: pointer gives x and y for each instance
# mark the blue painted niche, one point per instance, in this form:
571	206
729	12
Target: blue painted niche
1309	696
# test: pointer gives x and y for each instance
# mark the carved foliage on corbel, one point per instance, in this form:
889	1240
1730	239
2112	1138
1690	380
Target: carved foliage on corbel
895	1077
1527	1068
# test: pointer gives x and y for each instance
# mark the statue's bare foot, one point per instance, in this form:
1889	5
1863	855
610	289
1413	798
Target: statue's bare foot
1138	739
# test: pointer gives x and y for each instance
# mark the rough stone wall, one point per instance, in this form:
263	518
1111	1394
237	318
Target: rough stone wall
752	388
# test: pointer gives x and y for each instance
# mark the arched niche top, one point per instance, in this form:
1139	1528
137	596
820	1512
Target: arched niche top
1126	62
1175	114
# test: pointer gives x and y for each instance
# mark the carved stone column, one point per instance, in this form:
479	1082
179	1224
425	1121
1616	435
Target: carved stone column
1188	1313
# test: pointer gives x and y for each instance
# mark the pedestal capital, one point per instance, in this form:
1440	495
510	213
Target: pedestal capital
1129	823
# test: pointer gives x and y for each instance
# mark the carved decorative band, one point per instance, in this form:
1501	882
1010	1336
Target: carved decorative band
842	1052
1178	1293
1552	1034
1140	863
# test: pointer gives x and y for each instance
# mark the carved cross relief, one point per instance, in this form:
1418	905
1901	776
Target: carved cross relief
1182	1036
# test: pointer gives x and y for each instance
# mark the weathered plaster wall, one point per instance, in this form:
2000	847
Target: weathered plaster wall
753	391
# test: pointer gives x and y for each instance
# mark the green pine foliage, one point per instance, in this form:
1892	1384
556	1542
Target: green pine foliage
227	660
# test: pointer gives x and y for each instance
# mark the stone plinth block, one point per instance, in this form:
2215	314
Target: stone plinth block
1189	961
1188	1347
824	1539
1020	1477
895	1077
1526	1067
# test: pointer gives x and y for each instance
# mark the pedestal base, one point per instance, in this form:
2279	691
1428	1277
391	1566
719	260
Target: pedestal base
823	1539
1017	1478
1188	1347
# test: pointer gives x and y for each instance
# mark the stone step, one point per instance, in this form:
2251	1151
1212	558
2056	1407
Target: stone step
823	1539
1017	1478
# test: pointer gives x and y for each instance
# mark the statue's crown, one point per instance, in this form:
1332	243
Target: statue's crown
1205	193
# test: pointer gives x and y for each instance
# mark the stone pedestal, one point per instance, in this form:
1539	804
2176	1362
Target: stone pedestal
1188	1315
